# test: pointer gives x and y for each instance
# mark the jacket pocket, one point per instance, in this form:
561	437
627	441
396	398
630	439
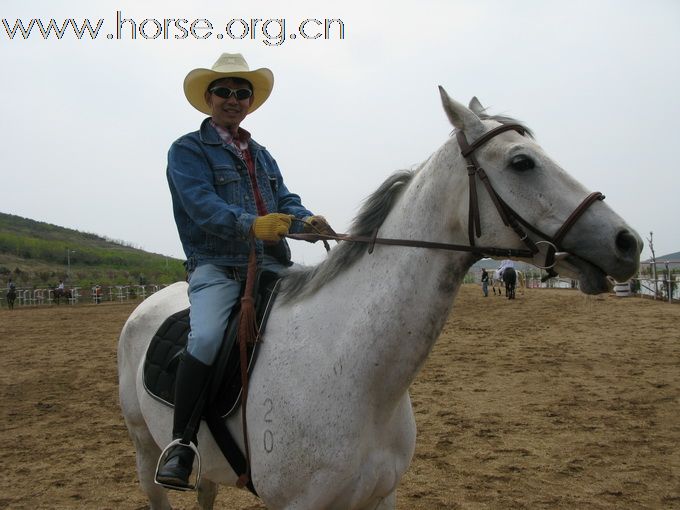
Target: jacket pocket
274	185
227	184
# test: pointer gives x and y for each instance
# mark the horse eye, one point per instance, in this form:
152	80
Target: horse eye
522	162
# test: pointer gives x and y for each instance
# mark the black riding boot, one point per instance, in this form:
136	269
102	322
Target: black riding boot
192	376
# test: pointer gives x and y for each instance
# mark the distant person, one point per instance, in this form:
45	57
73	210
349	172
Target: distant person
11	294
61	285
504	265
485	282
226	189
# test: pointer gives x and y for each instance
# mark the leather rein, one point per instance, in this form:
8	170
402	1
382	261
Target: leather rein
509	216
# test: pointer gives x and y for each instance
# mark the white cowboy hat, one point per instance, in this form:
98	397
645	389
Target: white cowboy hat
228	65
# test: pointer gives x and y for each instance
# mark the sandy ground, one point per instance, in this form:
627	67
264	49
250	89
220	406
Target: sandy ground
554	400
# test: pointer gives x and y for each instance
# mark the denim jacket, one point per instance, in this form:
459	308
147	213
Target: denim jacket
214	203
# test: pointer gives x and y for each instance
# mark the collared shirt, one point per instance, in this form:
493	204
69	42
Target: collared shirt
241	146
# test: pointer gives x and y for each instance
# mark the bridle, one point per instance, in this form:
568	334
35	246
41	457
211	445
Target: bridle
509	216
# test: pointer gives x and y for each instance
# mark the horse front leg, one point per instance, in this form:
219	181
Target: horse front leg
389	502
148	453
207	492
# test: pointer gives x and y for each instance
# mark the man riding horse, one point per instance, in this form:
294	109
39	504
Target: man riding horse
60	291
227	190
11	294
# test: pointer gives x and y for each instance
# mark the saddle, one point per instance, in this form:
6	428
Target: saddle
225	388
170	341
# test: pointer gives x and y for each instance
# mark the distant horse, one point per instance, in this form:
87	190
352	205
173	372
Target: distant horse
496	284
330	421
11	297
61	293
509	280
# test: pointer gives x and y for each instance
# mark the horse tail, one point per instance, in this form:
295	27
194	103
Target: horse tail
509	275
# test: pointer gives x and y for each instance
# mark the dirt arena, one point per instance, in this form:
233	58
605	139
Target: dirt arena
554	400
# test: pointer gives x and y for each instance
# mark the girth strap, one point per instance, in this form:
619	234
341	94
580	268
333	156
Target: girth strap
247	333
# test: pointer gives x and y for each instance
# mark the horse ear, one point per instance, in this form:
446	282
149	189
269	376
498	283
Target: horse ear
461	117
476	106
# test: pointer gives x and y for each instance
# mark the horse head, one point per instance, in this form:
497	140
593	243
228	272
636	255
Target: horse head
548	205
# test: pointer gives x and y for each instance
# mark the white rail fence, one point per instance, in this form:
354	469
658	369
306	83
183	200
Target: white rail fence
665	287
96	295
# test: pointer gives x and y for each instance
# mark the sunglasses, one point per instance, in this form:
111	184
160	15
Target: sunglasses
226	93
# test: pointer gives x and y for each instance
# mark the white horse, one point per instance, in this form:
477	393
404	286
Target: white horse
330	424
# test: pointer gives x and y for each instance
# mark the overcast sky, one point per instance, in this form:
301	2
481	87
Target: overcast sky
86	124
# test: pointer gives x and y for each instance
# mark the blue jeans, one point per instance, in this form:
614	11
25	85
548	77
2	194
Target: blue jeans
212	294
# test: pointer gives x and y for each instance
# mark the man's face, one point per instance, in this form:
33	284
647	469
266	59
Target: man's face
229	112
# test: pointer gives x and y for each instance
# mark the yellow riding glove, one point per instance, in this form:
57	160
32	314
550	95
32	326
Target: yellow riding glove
317	225
272	227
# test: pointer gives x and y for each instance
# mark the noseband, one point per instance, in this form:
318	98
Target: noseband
509	216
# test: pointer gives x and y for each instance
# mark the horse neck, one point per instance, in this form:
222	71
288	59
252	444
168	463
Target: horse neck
407	293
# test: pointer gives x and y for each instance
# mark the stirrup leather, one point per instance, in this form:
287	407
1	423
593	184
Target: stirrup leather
164	457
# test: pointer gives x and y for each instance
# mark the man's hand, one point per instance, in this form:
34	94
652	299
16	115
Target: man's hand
271	227
317	225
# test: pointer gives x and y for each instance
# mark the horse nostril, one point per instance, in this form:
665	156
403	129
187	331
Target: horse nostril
627	243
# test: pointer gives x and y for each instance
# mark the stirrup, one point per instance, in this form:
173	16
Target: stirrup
164	456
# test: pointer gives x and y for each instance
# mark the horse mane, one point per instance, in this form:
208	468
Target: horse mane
305	281
301	282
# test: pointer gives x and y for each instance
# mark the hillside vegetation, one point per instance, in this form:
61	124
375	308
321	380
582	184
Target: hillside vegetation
37	254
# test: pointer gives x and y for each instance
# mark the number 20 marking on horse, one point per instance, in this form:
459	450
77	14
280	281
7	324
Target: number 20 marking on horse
268	438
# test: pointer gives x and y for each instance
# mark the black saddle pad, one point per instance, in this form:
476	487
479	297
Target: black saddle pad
169	343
